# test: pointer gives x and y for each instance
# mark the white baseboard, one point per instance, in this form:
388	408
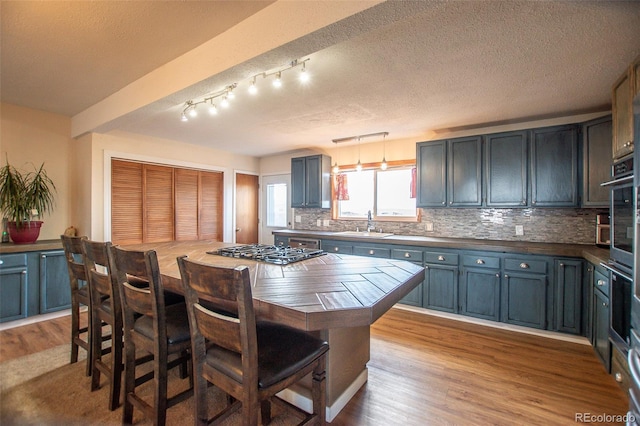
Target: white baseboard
303	401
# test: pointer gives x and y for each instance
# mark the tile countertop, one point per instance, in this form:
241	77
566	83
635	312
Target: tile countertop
591	253
40	245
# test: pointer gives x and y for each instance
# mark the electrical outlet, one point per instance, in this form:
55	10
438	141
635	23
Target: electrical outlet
325	222
319	222
298	218
519	230
428	226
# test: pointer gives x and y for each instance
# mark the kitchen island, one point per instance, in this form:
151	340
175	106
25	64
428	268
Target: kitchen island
336	297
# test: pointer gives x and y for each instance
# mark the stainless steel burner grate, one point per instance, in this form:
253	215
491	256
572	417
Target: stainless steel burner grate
270	253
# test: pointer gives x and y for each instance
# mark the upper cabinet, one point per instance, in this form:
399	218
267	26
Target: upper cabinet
554	166
622	108
449	173
310	182
506	169
596	146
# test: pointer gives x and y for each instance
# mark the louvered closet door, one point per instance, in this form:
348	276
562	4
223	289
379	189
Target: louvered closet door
126	202
186	190
158	204
210	212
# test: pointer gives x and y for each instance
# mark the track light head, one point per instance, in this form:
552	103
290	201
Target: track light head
277	82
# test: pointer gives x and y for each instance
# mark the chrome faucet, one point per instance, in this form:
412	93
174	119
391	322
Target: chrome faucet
370	226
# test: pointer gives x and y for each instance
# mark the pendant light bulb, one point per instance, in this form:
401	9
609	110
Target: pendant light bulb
359	166
383	165
335	169
304	75
212	109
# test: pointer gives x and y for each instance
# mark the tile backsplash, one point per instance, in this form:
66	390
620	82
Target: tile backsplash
569	226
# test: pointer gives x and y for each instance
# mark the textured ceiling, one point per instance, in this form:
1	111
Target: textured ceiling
409	68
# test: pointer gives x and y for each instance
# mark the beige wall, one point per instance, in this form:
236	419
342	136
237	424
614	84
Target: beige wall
29	138
77	166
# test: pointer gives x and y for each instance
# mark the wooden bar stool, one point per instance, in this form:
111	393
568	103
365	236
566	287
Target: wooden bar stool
250	362
79	295
106	309
151	326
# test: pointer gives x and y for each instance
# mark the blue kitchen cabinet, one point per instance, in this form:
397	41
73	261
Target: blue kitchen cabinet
568	300
449	173
596	148
554	166
506	169
310	182
55	293
599	320
414	298
13	287
524	292
281	241
440	287
480	286
337	247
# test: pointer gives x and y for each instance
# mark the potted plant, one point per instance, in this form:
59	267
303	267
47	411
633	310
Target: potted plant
25	197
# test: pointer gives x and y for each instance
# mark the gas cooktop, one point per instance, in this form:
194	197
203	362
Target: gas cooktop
270	253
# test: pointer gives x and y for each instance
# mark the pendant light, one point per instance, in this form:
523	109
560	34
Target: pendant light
359	165
383	165
335	168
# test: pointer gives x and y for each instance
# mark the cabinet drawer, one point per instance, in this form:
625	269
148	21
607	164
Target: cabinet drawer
441	258
481	261
12	260
601	281
411	255
526	265
331	247
372	251
620	369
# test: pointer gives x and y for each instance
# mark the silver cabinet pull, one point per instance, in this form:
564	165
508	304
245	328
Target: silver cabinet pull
44	256
480	262
562	265
426	267
336	249
497	275
601	282
24	272
524	265
441	258
506	276
371	252
407	255
1	262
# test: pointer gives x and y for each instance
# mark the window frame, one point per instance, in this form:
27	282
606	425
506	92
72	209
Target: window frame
400	164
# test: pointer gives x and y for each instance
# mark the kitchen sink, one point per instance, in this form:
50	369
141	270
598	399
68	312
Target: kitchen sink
364	234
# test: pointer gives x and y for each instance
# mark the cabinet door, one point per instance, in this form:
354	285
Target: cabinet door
554	167
298	182
464	174
431	174
622	110
506	169
524	299
480	293
601	343
569	295
596	137
55	293
13	293
414	298
313	184
441	288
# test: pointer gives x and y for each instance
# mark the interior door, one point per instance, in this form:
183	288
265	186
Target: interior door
276	202
246	209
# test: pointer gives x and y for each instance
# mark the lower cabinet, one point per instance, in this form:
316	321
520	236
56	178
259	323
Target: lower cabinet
33	283
414	298
440	290
600	338
480	287
568	298
13	287
524	292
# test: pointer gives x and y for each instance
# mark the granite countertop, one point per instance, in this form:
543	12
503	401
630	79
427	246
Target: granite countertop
39	245
592	253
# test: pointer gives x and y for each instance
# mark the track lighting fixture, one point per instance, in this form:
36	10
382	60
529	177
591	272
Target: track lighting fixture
226	94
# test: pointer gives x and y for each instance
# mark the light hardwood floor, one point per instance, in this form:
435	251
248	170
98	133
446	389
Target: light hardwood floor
430	370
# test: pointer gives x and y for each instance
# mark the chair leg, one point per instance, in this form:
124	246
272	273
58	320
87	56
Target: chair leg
75	332
318	391
96	352
116	368
265	410
129	380
160	394
200	395
89	339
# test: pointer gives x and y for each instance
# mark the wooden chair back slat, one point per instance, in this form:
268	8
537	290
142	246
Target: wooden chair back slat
219	328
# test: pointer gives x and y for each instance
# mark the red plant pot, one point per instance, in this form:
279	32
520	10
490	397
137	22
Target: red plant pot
27	233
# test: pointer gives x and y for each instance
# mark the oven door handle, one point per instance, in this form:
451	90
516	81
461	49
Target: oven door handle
626	179
616	271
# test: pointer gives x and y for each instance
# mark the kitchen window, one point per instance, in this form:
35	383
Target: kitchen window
386	193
